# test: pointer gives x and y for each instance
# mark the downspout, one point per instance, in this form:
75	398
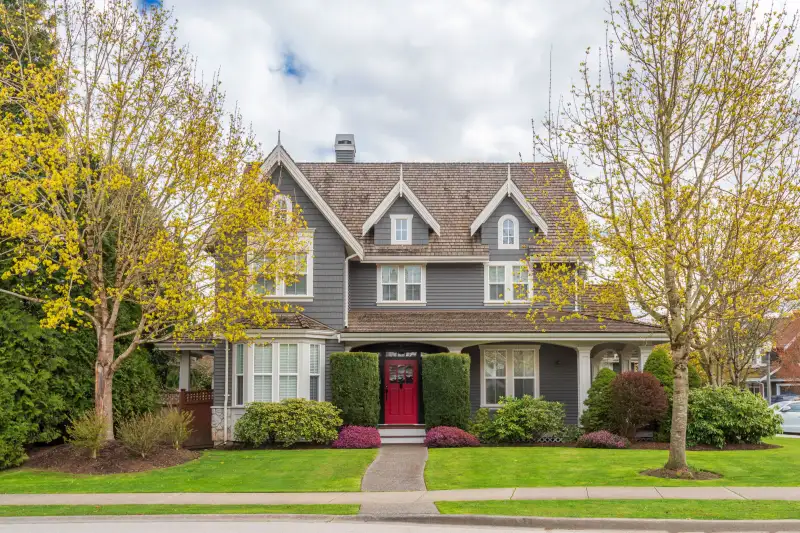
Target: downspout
347	286
225	401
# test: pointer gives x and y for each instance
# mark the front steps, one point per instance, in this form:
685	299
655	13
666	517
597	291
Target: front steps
402	434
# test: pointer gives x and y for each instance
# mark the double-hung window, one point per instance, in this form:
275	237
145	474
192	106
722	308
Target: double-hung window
262	373
401	284
302	283
507	281
314	371
401	228
289	366
238	382
509	371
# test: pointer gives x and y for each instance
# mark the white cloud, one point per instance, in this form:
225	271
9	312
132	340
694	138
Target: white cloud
434	80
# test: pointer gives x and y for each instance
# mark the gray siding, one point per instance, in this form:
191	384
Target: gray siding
383	228
558	378
489	231
219	374
449	286
329	255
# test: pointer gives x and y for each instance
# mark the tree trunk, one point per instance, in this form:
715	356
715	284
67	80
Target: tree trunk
103	378
680	410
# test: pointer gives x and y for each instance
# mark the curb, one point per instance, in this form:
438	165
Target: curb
670	525
629	524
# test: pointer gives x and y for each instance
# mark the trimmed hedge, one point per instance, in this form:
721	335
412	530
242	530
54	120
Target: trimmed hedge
597	415
445	389
288	422
355	387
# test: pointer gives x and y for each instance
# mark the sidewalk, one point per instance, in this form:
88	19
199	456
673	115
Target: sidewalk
311	498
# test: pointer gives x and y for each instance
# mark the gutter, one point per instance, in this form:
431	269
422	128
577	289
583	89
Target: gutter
225	401
347	287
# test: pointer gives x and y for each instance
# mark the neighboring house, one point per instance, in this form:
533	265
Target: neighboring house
766	372
414	258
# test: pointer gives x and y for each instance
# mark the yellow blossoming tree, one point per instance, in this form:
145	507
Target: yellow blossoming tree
684	146
125	183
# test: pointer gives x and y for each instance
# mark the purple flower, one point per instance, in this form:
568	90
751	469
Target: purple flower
603	439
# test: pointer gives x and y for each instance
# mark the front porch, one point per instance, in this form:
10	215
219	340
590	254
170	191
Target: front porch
557	370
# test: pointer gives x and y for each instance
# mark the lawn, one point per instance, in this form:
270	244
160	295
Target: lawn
117	510
663	509
463	468
215	471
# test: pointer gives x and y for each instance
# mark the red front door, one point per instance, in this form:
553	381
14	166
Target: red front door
400	391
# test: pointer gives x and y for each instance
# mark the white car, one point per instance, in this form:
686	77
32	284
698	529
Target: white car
791	417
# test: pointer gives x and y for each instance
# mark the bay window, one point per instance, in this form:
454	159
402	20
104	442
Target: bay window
401	284
507	281
271	371
510	371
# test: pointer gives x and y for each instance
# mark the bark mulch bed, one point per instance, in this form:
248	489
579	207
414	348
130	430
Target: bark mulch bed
113	458
694	475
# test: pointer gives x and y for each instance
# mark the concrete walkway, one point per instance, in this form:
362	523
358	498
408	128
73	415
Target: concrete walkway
398	469
412	497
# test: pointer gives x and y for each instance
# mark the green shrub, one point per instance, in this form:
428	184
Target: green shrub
729	415
445	389
288	422
571	433
355	387
141	434
177	426
481	425
637	399
597	414
695	379
87	431
526	419
12	432
136	388
660	365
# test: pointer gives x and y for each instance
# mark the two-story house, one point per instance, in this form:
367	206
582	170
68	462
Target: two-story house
413	258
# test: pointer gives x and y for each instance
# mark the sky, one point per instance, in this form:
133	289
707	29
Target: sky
428	80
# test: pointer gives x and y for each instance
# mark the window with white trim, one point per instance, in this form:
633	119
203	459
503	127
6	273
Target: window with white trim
510	371
507	281
288	370
401	229
508	233
238	372
303	267
262	373
401	284
494	376
283	203
314	371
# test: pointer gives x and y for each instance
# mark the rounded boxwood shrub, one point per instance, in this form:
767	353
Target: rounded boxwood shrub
450	437
445	389
357	437
526	419
288	422
660	365
729	415
355	387
597	414
602	439
637	399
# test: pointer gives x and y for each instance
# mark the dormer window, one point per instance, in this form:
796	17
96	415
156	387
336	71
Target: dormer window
281	202
508	233
401	229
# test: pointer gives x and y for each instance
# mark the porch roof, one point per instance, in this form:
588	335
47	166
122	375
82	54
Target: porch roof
485	321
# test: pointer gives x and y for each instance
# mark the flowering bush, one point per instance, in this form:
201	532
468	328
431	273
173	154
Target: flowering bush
637	399
449	437
603	439
351	437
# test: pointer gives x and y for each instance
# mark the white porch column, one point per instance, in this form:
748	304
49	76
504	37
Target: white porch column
644	353
185	372
455	348
584	375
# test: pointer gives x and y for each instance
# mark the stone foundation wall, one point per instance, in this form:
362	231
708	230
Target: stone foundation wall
217	422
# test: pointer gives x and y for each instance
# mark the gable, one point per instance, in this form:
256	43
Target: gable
401	206
490	230
509	190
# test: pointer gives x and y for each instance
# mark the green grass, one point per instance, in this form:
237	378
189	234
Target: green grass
463	468
674	509
214	471
89	510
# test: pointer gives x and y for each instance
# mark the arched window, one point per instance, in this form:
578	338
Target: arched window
283	203
508	232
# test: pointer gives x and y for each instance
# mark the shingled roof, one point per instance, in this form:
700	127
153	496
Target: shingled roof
484	321
454	193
